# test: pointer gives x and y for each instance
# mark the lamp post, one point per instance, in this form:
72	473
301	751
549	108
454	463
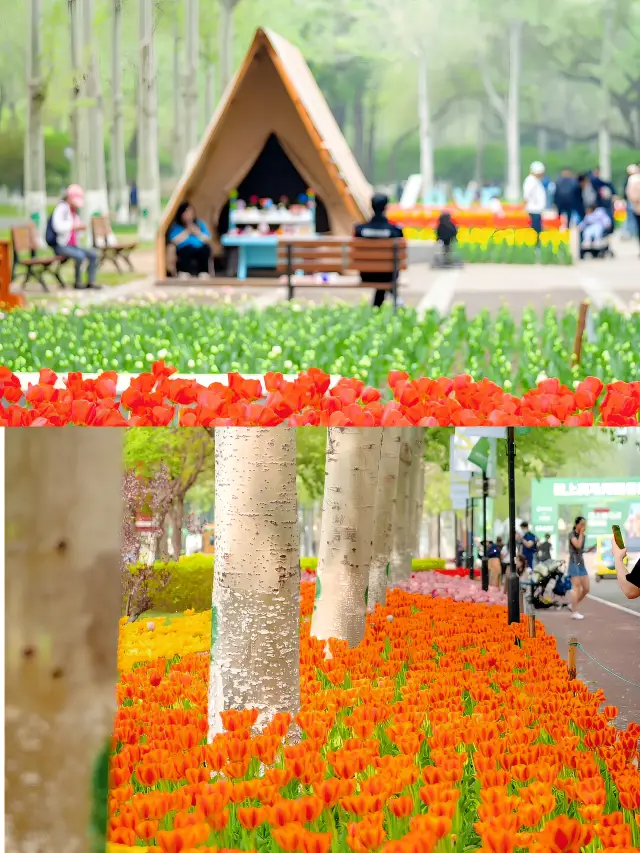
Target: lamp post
485	559
513	582
472	573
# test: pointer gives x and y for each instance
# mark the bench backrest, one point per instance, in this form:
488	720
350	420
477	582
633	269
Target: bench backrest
324	254
377	255
24	239
101	230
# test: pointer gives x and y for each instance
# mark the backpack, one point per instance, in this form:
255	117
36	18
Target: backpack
51	238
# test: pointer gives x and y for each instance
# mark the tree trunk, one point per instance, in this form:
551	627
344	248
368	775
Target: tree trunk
358	126
427	170
255	632
63	600
148	161
177	521
400	569
178	130
514	183
416	481
370	162
226	42
119	187
542	141
35	190
191	78
346	540
96	196
419	500
209	93
604	131
79	130
384	514
480	146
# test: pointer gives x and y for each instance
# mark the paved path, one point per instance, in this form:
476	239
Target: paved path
612	636
614	281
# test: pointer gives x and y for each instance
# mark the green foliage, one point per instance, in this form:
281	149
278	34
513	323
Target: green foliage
501	252
347	340
99	797
58	170
311	445
310	564
190	585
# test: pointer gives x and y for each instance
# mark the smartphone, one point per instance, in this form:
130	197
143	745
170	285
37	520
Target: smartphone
617	535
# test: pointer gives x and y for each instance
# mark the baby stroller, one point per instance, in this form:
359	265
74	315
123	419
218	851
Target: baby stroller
550	585
597	248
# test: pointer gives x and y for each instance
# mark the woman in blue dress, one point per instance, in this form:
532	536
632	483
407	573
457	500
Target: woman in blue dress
192	242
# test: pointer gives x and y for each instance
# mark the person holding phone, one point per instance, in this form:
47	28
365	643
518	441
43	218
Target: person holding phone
629	582
577	569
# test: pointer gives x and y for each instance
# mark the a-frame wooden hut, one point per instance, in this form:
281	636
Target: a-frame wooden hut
273	134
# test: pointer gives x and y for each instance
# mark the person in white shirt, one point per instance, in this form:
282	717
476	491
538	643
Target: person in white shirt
63	229
535	196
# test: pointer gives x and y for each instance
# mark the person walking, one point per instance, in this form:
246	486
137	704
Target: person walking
529	544
565	196
632	192
577	571
63	230
544	549
378	228
535	196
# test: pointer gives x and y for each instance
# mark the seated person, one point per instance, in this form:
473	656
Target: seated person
446	233
378	228
192	242
595	225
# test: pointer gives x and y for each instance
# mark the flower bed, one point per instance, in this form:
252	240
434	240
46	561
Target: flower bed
510	216
155	399
448	585
418	564
342	340
438	734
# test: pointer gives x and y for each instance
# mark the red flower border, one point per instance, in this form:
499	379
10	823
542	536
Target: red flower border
157	399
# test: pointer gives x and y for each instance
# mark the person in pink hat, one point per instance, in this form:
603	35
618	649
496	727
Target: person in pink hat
63	228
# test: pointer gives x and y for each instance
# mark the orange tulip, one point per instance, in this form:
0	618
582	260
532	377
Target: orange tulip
251	817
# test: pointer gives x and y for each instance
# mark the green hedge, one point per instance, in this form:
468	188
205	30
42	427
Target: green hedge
192	578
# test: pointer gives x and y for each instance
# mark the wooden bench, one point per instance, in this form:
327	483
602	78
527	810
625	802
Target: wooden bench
104	241
25	241
300	260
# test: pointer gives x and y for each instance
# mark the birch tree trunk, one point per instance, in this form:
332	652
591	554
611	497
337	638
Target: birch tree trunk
179	157
419	501
227	8
514	179
79	128
148	158
384	515
118	170
191	78
35	190
416	472
346	540
63	598
255	630
177	520
427	170
96	196
604	130
209	93
400	569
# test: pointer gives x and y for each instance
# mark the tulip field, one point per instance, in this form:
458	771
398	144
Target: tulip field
445	730
341	340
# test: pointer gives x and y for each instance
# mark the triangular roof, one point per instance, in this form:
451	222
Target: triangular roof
314	113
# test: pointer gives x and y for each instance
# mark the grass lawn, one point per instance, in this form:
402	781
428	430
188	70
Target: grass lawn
152	615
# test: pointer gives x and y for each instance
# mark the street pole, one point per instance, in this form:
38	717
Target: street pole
513	583
485	559
472	572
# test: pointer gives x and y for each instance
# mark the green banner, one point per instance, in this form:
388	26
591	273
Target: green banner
480	454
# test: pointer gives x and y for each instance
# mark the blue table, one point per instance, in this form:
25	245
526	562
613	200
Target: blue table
252	251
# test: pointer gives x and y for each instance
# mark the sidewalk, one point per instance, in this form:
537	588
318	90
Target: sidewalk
613	638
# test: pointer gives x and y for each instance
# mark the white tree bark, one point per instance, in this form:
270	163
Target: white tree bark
118	172
191	77
255	633
63	601
227	8
604	130
514	178
416	481
96	196
419	501
384	514
79	130
148	156
178	129
427	170
346	540
400	569
35	191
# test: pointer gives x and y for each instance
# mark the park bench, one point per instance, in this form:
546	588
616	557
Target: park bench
26	245
105	242
301	260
